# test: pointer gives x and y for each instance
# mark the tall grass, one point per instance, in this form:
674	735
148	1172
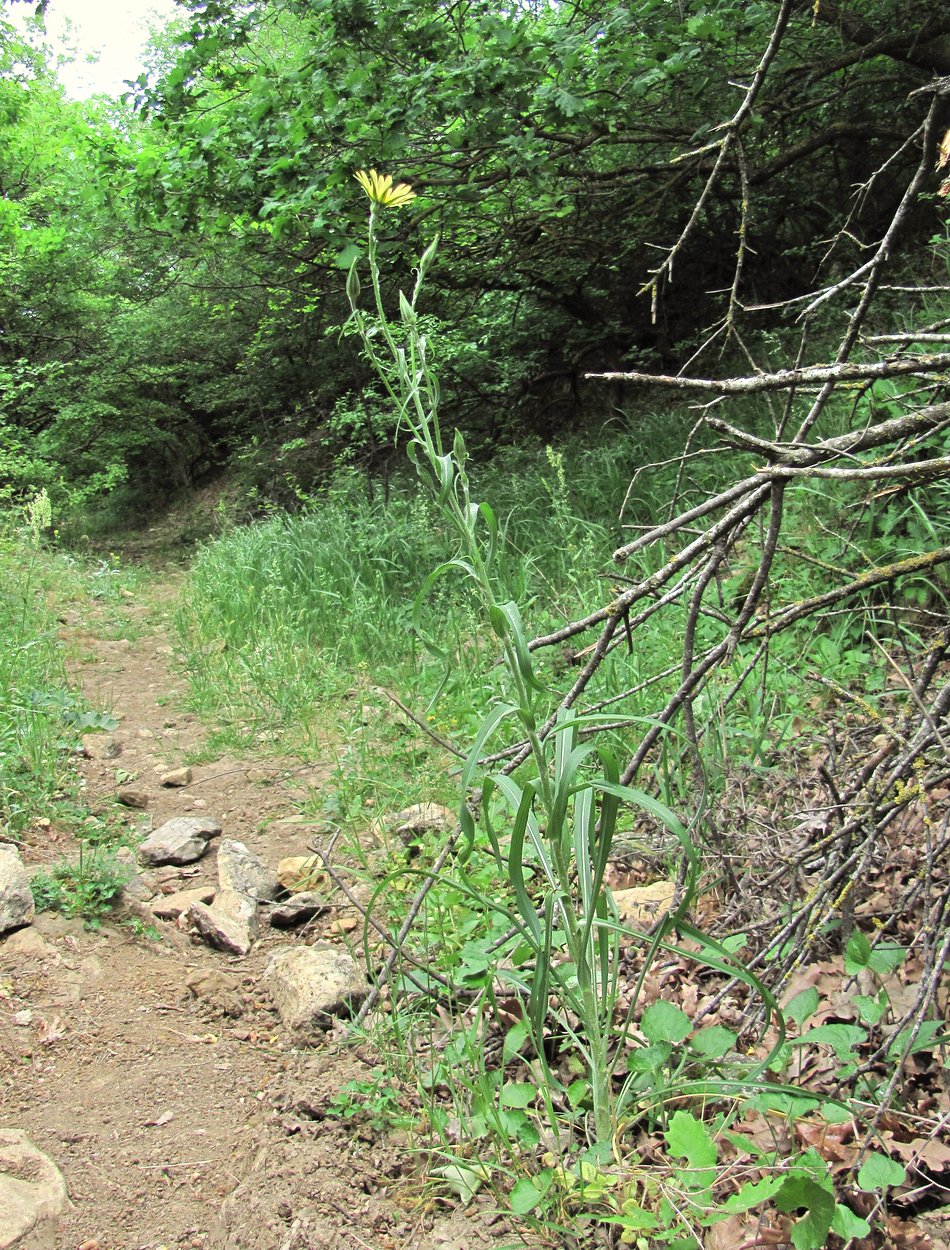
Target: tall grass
37	710
285	614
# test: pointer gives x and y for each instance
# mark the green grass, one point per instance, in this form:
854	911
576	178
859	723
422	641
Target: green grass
286	622
282	617
40	718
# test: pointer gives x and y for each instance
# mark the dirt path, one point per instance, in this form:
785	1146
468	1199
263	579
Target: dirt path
154	1071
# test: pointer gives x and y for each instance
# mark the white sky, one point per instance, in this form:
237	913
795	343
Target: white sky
112	31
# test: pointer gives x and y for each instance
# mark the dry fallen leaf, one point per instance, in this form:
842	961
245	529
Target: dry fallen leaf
164	1118
51	1031
943	151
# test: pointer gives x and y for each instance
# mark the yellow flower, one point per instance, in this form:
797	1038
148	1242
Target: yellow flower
380	189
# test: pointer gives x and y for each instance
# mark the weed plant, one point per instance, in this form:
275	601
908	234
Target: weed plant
86	889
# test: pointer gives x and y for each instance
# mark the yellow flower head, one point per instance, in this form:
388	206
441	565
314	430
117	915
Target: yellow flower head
380	189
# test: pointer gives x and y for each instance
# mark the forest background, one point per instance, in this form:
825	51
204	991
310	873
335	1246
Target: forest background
689	309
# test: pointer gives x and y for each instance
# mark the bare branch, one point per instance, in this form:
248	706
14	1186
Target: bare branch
785	379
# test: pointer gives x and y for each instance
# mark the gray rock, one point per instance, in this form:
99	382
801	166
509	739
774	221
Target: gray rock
229	924
176	777
311	984
142	886
297	910
16	898
32	1194
100	747
171	906
241	870
179	841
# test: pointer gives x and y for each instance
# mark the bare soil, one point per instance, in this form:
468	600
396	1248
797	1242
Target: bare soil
152	1069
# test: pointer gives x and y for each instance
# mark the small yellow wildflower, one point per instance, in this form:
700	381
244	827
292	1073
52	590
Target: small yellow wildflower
380	189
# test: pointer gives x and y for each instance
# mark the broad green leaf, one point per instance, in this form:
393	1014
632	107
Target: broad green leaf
517	1094
802	1006
664	1022
529	1191
847	1225
842	1038
515	1038
753	1193
801	1192
713	1042
689	1137
879	1171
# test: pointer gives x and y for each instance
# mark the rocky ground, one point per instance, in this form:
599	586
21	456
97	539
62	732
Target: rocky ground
154	1072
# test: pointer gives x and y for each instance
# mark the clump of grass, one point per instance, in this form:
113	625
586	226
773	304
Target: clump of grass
87	888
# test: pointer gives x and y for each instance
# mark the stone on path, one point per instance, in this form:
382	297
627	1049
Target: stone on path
299	872
130	797
241	870
171	906
298	909
16	897
229	924
310	984
177	777
100	747
179	841
32	1194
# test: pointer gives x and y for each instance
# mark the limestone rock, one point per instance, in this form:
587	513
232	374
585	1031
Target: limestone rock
219	991
179	841
27	944
32	1194
241	870
171	906
229	924
299	872
176	777
100	747
421	818
16	898
642	905
311	984
298	909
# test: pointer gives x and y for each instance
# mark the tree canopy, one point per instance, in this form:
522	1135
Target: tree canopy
174	263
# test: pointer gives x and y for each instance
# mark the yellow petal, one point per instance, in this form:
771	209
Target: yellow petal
380	189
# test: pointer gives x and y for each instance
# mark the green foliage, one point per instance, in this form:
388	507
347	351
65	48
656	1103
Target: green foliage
87	888
39	718
171	272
